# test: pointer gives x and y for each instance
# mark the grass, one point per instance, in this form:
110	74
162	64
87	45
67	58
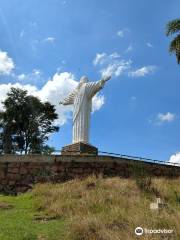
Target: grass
91	209
18	222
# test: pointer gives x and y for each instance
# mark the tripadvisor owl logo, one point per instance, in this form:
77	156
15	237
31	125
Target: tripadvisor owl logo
139	231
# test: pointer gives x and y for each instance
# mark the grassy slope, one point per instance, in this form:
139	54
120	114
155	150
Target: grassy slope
92	209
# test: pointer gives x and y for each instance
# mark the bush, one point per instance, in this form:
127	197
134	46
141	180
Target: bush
143	178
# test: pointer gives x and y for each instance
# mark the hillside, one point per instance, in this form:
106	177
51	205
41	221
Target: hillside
92	209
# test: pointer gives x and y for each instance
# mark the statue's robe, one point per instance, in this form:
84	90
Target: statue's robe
81	98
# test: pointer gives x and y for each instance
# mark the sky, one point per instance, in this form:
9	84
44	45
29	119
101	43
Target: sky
46	46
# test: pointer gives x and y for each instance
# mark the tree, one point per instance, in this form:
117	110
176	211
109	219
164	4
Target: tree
171	28
47	150
26	122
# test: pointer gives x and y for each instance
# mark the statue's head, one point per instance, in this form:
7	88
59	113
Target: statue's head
84	79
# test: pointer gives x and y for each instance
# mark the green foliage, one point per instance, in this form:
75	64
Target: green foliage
171	28
26	122
47	150
175	47
142	177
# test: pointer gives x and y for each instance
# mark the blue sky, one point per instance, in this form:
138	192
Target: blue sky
138	110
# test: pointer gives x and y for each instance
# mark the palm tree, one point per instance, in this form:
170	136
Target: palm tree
171	28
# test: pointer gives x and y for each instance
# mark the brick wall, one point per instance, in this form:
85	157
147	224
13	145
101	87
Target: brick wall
19	173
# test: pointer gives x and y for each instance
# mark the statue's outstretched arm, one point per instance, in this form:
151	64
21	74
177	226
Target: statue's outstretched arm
95	87
69	99
103	81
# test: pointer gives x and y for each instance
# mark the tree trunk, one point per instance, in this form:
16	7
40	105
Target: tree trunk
7	141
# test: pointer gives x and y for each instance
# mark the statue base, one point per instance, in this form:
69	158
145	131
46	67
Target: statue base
79	148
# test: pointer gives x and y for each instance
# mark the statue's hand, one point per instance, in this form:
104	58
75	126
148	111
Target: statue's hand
61	102
107	78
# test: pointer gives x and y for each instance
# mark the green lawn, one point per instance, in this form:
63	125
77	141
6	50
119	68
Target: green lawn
18	222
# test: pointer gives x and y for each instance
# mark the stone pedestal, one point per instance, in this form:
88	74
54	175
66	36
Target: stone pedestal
79	148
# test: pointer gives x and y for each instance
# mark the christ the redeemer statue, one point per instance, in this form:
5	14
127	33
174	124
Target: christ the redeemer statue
81	99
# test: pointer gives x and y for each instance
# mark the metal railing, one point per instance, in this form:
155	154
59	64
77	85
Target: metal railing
129	157
143	159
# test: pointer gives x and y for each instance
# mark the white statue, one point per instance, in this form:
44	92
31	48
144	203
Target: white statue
81	98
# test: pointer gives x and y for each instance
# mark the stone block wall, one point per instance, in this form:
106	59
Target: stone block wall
19	173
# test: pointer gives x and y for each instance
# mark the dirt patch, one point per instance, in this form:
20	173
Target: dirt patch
90	186
44	219
4	205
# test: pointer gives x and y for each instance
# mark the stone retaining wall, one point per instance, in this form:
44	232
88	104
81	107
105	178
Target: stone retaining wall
19	173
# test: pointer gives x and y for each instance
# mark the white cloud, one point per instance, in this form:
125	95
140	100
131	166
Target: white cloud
21	77
6	64
36	72
116	68
175	158
111	64
97	102
33	77
120	33
104	58
49	39
100	58
114	55
149	45
162	118
141	72
53	91
166	117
